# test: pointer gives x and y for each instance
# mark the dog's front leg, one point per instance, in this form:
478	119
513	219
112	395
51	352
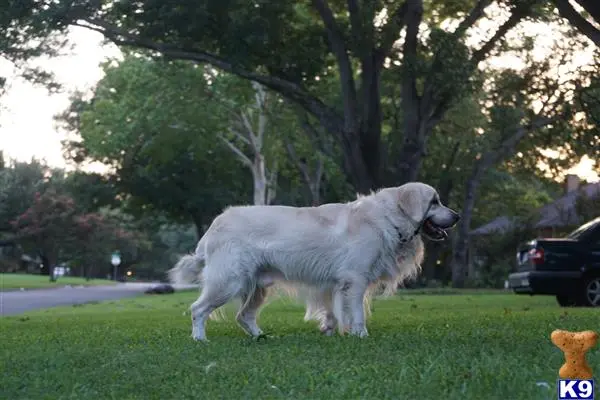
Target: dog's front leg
355	295
348	307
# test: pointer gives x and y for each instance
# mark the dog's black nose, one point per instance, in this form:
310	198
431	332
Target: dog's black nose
456	217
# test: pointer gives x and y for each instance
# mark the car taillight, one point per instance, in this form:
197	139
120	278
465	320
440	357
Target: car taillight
536	256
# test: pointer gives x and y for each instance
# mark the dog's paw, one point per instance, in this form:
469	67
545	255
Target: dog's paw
361	333
263	336
328	331
198	338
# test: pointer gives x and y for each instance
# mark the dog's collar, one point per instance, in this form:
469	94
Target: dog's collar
401	236
415	224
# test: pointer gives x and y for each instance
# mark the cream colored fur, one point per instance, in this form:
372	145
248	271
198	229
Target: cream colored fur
335	255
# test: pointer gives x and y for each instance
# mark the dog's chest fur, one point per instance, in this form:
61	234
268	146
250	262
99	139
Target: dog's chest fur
399	261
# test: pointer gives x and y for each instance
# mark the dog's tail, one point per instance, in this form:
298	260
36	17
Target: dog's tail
188	270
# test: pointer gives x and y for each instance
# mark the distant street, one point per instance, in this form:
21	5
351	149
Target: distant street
16	302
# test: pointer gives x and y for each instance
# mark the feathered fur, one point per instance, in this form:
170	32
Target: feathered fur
334	257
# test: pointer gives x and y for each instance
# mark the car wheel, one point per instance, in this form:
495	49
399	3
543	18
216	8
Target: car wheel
566	300
591	293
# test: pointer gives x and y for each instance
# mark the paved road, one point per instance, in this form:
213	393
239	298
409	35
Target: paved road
16	302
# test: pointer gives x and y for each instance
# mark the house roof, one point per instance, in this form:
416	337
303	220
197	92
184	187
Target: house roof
561	212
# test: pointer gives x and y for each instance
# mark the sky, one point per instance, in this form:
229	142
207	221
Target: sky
27	128
26	118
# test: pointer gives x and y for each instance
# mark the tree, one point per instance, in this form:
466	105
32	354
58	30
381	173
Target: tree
90	191
100	233
45	226
288	46
248	128
534	104
19	181
24	37
578	19
161	144
55	229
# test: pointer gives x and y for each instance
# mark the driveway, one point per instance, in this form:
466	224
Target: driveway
16	302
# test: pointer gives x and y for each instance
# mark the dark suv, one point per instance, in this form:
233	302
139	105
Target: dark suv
568	268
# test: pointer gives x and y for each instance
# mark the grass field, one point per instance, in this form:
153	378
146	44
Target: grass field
469	346
17	281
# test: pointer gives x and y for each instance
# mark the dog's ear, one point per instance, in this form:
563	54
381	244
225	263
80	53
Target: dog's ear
414	202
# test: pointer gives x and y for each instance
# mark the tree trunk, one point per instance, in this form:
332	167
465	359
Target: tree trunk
312	177
505	148
259	176
435	249
370	124
47	266
361	154
354	163
254	137
444	187
199	225
461	246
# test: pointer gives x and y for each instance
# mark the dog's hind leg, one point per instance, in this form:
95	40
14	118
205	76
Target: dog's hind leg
214	295
328	323
319	307
248	312
340	309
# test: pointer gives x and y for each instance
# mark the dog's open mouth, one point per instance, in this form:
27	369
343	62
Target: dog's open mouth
433	231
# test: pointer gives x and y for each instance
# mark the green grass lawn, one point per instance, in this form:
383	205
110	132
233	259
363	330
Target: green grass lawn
467	346
28	281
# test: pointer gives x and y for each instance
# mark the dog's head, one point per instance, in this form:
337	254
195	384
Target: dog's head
421	204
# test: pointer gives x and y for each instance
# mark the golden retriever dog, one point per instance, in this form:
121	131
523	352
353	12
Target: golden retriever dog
337	252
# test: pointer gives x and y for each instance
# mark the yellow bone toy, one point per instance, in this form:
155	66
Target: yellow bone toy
574	345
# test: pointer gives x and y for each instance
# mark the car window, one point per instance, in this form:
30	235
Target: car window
584	229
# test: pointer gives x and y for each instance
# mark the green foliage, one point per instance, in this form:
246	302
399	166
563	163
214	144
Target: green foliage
26	35
449	69
90	191
587	121
53	227
19	181
168	241
157	124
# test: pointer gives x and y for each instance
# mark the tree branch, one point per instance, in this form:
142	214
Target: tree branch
261	98
272	184
340	51
356	24
410	96
245	160
292	91
362	34
476	13
247	126
568	12
507	145
240	136
314	135
301	166
592	7
313	184
521	10
391	32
